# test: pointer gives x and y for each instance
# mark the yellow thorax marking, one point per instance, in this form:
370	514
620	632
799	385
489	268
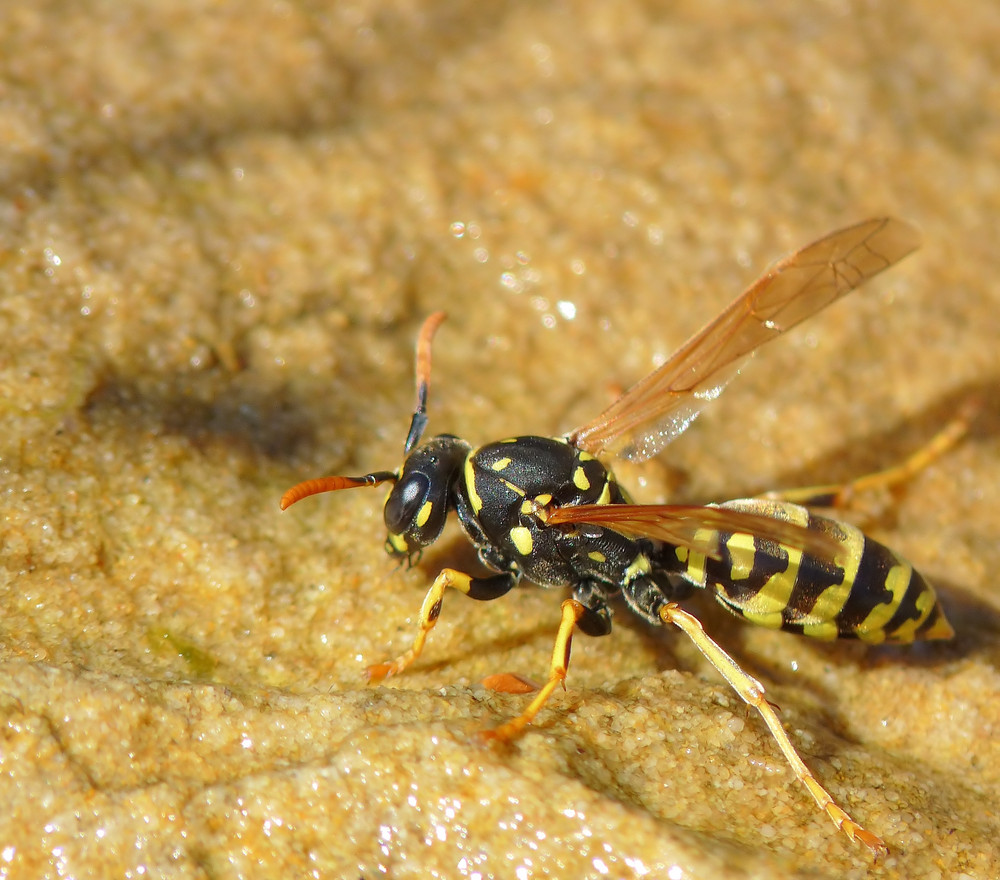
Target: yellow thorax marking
520	536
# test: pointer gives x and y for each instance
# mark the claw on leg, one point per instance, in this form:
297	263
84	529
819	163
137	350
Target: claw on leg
752	692
429	613
841	494
484	589
572	611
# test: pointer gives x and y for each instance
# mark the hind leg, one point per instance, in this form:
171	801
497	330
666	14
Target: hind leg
841	494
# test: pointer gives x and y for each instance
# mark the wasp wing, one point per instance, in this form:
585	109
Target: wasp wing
698	528
660	406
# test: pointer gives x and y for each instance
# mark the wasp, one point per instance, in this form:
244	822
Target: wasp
549	510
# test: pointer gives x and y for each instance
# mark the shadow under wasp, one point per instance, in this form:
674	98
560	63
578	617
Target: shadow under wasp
548	510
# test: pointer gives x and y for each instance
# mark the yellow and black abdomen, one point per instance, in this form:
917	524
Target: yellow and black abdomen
865	592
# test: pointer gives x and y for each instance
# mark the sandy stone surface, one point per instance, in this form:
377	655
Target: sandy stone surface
220	228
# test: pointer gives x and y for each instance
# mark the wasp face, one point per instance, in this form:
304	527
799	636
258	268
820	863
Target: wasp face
418	504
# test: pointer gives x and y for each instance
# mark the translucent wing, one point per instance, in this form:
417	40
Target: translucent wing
696	527
661	406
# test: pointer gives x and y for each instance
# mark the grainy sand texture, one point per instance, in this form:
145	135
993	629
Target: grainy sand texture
221	226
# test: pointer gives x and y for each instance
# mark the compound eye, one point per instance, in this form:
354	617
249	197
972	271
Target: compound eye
405	502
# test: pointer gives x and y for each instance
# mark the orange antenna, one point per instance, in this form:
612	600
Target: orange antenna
331	484
417	425
419	420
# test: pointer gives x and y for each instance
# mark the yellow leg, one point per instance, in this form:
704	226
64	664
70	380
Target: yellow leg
572	611
752	692
429	613
475	587
840	494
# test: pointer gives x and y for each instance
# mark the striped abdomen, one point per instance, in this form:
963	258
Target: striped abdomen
867	592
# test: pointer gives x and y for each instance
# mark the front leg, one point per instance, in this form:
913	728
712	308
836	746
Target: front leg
572	611
474	587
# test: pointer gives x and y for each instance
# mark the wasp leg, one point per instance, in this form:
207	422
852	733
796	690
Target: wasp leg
840	494
596	617
475	588
595	620
572	611
752	692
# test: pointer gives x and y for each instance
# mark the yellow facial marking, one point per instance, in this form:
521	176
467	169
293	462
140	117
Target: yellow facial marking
500	464
521	539
397	542
424	514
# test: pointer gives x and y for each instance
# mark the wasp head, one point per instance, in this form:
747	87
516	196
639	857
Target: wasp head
418	504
